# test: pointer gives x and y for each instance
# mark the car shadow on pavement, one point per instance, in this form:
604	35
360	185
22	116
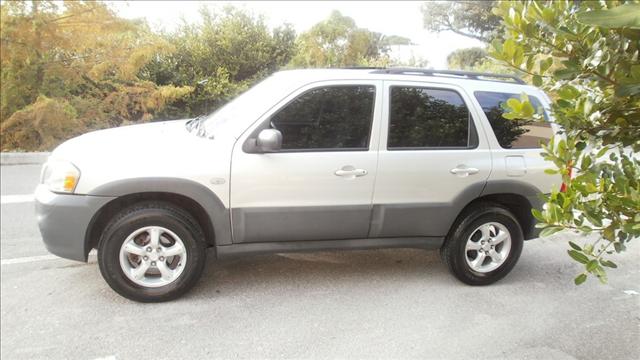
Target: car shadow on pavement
319	271
355	271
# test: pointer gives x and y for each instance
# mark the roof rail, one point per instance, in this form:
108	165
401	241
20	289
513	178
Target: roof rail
355	68
451	73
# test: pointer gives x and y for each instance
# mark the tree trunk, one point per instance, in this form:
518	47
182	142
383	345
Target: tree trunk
37	27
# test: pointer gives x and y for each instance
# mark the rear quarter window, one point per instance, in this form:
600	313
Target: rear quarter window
514	134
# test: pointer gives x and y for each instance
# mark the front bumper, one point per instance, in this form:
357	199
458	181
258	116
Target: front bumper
63	220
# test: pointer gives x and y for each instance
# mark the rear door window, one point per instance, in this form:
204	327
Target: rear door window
514	134
426	118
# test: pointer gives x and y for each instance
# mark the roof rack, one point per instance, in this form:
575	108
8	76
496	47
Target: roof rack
451	73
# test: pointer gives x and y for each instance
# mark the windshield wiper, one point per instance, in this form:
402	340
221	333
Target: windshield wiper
196	124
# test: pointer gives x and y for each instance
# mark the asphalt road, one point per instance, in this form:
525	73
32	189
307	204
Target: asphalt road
379	304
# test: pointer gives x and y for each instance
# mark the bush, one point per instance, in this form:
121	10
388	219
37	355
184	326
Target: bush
41	125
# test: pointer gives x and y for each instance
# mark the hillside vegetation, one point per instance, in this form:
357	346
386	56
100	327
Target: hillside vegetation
71	68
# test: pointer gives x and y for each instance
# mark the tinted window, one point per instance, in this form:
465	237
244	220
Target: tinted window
429	118
335	117
514	134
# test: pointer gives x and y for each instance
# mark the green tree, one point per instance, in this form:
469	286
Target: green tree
595	86
472	19
466	59
413	62
220	56
338	42
395	40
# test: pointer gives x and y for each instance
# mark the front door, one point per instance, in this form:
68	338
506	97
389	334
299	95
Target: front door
319	186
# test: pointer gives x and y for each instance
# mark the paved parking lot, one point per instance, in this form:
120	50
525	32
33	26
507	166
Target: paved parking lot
358	304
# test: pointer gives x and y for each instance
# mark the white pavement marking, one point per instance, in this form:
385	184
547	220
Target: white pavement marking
14	199
28	259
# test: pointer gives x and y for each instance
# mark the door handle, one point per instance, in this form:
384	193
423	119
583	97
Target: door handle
464	171
350	172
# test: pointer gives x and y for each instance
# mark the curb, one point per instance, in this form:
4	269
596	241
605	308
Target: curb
26	158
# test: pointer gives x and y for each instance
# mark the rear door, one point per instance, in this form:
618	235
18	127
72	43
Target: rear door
433	159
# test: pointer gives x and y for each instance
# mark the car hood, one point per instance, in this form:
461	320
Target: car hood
126	141
161	149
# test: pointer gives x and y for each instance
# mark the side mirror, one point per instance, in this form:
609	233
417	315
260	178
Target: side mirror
269	140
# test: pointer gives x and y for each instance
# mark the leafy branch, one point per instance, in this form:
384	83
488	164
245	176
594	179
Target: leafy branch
593	155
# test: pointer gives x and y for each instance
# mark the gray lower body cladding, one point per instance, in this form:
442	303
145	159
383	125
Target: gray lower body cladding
275	224
251	225
63	221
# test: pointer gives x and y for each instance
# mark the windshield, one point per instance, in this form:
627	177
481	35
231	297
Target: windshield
247	107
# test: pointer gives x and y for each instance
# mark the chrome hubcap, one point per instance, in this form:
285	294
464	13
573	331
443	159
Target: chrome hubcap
488	247
153	256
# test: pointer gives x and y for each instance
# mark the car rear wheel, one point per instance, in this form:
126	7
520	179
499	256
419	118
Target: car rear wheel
152	252
484	245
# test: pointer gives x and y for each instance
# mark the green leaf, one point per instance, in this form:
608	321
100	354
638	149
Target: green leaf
602	152
497	48
537	80
575	246
586	229
608	263
619	247
580	279
566	74
609	233
568	92
514	105
509	48
550	230
545	64
550	171
627	15
586	162
578	256
627	90
599	272
518	56
527	110
592	265
548	15
530	62
588	249
537	214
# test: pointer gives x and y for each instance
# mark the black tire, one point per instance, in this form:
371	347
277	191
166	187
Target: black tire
142	215
453	251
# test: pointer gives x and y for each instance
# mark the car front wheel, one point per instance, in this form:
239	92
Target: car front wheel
152	252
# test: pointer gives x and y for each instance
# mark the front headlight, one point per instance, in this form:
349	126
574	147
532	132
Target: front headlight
60	176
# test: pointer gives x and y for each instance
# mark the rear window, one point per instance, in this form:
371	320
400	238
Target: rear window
514	134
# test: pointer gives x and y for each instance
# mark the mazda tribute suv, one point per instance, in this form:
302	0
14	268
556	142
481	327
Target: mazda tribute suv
305	160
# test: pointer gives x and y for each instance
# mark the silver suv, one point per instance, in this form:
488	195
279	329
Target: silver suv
305	160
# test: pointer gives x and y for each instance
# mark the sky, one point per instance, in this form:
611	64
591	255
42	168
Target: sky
402	18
